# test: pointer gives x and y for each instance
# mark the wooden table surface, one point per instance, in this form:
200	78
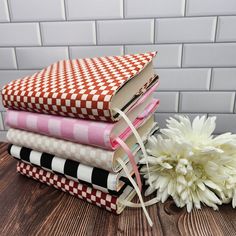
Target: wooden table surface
31	208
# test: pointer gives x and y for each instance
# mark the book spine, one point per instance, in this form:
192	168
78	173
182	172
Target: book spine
93	196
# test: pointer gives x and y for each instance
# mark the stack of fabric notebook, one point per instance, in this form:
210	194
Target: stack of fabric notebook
71	124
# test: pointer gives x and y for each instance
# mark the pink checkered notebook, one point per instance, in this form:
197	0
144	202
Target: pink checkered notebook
93	196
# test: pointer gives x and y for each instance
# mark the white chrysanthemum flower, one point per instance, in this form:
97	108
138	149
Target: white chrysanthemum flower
192	166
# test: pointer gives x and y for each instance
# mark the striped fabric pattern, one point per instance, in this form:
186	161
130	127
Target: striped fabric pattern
91	195
92	176
81	131
85	154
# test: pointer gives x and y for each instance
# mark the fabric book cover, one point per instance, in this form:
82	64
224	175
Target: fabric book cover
92	176
87	132
87	88
84	154
82	191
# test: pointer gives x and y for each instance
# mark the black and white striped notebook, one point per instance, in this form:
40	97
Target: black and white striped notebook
94	177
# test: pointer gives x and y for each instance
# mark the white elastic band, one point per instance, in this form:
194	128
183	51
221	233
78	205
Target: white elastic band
137	205
137	136
136	189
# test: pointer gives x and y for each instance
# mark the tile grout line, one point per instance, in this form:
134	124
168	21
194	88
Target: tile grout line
211	80
96	33
216	29
69	54
123	9
154	32
182	56
66	13
14	48
17	64
185	7
41	34
127	44
179	101
65	10
9	12
117	19
234	104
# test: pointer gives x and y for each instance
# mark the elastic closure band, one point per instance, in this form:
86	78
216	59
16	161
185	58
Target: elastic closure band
137	191
137	205
150	108
137	136
146	94
132	161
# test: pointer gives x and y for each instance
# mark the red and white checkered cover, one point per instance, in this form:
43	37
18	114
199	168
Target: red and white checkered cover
80	88
76	189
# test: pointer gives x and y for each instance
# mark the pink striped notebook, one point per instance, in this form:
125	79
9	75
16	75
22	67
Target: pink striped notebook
93	133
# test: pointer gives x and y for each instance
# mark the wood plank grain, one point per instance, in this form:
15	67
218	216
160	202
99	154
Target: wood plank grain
30	208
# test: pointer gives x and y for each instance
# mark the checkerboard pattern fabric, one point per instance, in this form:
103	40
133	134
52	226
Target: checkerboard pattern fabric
76	189
85	154
81	88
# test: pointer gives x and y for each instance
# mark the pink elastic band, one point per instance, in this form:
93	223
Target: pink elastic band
146	94
132	161
150	108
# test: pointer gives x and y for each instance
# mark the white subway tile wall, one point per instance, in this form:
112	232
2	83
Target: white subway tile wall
207	102
37	10
184	30
39	57
68	33
4	15
90	9
224	79
7	58
153	8
195	40
125	31
209	55
210	7
19	34
162	117
184	79
225	32
168	101
95	51
226	123
169	55
9	75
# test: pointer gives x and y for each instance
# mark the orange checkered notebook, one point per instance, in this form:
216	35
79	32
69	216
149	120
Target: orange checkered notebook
94	196
84	88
